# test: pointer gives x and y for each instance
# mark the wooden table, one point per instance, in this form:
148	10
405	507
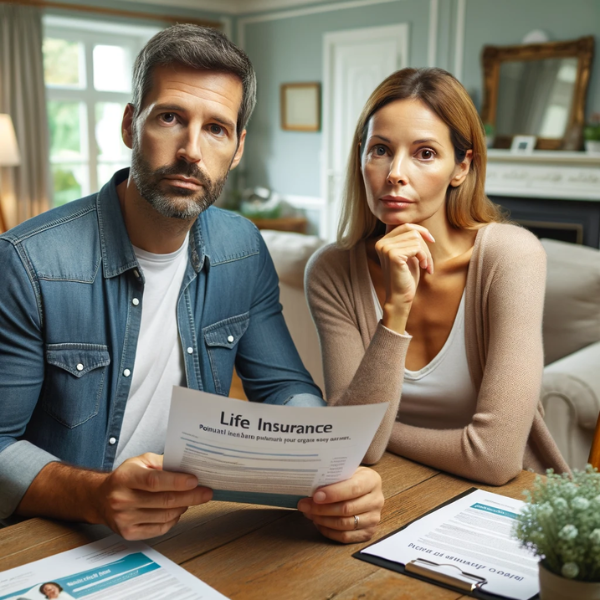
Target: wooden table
293	224
245	551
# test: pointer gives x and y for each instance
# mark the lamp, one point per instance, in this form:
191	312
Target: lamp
9	155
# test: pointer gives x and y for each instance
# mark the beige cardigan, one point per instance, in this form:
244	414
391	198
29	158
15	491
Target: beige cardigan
364	361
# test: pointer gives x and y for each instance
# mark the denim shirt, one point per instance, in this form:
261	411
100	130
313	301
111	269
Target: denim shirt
71	299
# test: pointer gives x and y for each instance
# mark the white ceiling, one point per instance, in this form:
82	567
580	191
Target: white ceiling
233	7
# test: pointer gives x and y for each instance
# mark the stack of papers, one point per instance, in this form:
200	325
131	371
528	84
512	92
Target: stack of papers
469	540
110	568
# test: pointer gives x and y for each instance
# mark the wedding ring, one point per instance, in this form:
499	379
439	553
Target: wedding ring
355	522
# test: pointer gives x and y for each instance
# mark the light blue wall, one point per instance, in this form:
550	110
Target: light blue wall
290	49
502	23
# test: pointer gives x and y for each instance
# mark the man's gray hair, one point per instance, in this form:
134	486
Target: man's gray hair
199	48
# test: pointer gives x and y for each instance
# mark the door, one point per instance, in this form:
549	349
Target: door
355	62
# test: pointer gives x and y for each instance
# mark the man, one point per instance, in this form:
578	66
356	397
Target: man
109	301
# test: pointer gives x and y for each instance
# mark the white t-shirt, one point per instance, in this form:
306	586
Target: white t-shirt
441	395
159	361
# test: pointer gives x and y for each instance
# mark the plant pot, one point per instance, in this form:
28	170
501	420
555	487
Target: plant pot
592	146
554	587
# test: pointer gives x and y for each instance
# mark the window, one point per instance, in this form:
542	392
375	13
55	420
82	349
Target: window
87	70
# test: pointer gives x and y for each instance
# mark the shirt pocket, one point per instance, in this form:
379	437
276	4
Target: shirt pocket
74	381
221	340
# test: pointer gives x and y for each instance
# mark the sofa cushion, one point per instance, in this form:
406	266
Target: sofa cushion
290	253
572	305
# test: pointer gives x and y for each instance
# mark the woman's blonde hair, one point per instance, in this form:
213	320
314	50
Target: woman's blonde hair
467	206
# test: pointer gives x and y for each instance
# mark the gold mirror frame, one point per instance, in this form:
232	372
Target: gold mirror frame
493	56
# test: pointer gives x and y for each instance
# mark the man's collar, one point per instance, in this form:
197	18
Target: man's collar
117	252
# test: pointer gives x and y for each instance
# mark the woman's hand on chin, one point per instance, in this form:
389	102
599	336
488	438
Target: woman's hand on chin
402	252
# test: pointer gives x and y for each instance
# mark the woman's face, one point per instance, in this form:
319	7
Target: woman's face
408	163
50	591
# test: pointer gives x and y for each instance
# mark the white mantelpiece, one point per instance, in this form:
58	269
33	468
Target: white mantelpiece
544	174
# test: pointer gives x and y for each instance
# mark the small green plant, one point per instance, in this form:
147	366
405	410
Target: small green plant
561	523
591	131
490	129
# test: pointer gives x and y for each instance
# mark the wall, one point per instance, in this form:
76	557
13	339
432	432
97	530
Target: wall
137	7
507	22
286	46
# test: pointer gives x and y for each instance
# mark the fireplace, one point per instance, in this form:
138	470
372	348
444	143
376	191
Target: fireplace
574	221
553	194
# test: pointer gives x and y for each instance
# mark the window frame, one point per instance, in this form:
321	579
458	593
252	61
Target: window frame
90	34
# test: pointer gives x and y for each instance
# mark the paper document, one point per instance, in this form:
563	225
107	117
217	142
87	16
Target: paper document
110	568
265	454
472	533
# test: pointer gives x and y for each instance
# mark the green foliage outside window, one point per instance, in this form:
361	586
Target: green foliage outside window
61	62
65	186
63	120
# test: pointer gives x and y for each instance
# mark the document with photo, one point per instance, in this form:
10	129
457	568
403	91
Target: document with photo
471	535
266	454
110	568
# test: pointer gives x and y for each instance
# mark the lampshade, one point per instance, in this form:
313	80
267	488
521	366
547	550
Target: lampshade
9	151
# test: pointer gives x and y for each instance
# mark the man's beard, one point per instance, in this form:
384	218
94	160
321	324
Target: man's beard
182	203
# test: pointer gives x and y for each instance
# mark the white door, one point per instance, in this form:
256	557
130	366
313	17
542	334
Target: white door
355	63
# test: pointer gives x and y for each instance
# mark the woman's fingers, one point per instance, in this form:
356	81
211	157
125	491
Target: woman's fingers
395	230
398	251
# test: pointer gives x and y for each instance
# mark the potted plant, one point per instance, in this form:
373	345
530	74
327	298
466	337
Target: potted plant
591	134
561	525
490	134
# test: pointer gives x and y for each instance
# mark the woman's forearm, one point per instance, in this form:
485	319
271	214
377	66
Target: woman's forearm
482	453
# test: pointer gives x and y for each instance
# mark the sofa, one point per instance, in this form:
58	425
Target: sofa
571	382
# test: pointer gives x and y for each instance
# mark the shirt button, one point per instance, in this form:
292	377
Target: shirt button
79	367
135	302
230	339
112	441
127	372
190	350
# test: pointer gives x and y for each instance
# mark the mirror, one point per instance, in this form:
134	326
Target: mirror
539	90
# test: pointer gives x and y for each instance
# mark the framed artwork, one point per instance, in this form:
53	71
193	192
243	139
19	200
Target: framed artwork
301	106
523	144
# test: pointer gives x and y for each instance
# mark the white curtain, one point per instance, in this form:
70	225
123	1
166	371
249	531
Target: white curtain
22	95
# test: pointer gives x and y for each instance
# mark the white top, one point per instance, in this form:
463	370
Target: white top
159	359
442	391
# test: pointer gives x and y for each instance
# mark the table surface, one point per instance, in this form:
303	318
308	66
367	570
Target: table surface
246	551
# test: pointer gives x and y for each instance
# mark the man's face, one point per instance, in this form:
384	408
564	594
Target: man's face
184	140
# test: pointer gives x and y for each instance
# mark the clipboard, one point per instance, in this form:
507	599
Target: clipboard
445	575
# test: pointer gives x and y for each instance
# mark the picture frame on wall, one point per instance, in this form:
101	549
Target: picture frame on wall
523	144
301	106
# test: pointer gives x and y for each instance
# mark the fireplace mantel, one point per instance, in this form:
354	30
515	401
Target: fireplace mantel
544	174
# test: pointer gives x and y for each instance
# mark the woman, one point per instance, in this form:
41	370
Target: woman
429	301
52	590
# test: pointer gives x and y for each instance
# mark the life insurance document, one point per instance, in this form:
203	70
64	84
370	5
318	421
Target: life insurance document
265	454
473	533
110	568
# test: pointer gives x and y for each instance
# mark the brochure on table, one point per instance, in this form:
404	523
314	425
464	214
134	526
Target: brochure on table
110	568
465	541
265	454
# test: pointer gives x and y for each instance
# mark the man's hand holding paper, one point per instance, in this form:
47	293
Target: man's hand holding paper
140	500
348	511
